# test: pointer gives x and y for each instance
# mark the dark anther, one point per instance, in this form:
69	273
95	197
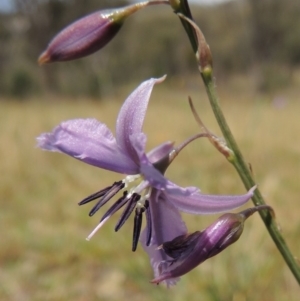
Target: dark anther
105	195
137	227
95	196
149	223
116	206
182	245
127	211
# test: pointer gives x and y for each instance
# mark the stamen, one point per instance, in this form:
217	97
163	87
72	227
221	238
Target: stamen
131	178
138	219
145	196
116	206
97	228
115	188
95	195
149	223
127	211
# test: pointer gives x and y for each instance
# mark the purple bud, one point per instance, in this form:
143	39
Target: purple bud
88	34
187	251
81	38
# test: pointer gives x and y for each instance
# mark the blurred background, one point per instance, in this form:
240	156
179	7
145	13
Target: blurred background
256	51
257	39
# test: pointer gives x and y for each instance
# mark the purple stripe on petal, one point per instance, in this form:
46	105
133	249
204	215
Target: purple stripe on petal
89	141
131	116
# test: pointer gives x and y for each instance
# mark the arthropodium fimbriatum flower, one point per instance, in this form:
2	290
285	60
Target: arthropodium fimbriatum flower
145	188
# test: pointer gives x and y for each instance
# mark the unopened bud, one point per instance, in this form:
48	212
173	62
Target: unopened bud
89	34
187	251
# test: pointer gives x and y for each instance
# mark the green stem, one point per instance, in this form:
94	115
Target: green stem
245	175
237	160
181	6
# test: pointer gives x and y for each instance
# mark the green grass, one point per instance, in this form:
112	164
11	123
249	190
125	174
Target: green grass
43	251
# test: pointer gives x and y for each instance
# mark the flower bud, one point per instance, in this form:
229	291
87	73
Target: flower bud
189	250
88	34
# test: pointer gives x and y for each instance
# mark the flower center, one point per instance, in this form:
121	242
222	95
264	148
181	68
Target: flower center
135	195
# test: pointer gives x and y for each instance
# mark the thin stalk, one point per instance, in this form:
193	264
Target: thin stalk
237	159
181	6
246	177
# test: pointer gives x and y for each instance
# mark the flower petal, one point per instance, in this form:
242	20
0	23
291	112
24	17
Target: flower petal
131	116
160	151
150	173
184	199
89	141
191	250
166	225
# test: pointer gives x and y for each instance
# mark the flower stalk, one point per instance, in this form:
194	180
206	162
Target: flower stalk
237	160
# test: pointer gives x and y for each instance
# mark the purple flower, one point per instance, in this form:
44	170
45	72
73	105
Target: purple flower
145	189
187	251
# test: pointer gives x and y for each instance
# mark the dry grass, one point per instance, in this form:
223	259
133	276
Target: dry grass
43	253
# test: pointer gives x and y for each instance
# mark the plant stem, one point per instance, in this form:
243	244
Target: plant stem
181	6
245	175
237	160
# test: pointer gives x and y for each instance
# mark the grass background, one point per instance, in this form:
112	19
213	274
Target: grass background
43	251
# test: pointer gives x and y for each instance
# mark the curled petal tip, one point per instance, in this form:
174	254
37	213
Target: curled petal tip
44	58
161	79
252	189
169	281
